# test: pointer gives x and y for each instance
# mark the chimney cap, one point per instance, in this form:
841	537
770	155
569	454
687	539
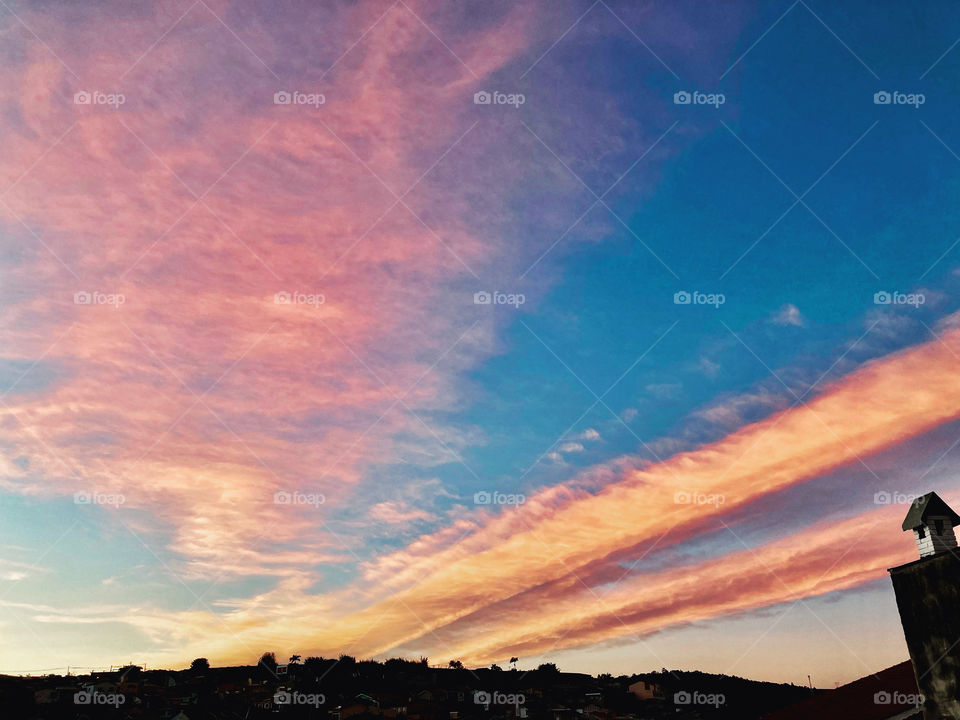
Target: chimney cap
926	505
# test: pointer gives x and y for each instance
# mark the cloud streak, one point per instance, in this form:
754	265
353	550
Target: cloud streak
864	413
465	578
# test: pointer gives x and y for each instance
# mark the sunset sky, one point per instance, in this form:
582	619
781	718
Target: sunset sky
192	465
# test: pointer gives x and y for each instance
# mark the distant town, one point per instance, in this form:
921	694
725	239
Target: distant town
344	687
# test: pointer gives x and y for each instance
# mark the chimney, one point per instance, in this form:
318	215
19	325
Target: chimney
932	522
928	598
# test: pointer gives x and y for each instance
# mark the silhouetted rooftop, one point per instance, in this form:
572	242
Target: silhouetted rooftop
859	699
925	505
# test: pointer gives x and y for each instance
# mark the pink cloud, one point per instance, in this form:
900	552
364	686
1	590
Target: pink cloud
199	397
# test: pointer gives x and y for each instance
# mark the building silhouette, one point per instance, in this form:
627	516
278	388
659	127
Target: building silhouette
928	598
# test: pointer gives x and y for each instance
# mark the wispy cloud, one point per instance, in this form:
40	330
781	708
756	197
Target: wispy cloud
788	315
219	393
500	561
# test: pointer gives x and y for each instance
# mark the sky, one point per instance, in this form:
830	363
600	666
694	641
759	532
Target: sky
616	335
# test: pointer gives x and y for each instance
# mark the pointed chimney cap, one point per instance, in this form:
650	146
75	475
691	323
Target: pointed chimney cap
925	505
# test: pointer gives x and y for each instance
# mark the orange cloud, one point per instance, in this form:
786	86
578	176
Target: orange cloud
822	559
828	557
864	413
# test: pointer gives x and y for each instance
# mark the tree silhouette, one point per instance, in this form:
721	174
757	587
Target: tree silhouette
200	665
294	659
456	665
313	665
514	661
269	661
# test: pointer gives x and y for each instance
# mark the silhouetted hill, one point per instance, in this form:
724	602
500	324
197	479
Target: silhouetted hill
719	696
345	688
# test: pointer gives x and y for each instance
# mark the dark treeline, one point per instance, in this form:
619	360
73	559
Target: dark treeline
345	688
